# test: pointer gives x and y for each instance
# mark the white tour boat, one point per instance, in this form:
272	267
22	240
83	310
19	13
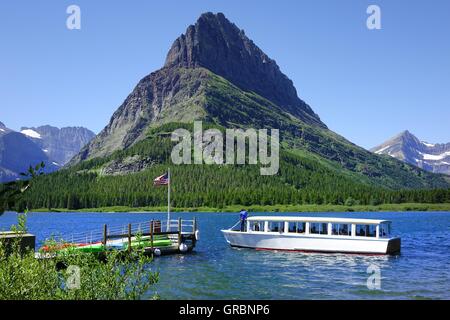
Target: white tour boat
315	234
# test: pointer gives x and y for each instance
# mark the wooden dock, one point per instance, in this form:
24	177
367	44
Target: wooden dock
154	237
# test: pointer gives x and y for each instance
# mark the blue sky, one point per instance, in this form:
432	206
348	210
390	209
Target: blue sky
366	85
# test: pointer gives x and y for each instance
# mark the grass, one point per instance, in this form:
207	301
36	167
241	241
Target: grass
274	208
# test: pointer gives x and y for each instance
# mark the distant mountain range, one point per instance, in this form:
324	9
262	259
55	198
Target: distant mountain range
54	146
408	148
59	144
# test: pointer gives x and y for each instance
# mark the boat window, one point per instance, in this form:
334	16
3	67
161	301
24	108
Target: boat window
366	230
292	227
372	231
361	230
273	226
341	229
314	228
334	229
258	226
301	227
318	228
276	226
385	230
297	227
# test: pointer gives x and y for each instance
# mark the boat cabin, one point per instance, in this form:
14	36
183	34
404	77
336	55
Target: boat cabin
345	227
315	234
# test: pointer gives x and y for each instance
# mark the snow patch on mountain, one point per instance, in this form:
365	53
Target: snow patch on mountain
31	133
435	157
382	149
431	145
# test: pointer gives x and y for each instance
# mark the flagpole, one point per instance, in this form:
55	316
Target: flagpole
168	200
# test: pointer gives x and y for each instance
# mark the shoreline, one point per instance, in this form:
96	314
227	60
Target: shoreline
402	207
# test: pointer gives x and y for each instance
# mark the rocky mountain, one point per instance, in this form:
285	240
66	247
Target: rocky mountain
212	47
408	148
17	153
60	145
55	147
215	73
216	44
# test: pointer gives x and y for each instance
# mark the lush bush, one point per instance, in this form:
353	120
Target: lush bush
67	274
115	277
72	275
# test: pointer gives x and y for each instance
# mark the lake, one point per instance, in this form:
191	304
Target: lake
217	271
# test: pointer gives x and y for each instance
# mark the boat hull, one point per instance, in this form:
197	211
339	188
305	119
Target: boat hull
311	243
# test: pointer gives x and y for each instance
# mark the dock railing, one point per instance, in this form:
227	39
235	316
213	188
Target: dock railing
130	231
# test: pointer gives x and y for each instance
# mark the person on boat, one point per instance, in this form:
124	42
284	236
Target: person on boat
243	218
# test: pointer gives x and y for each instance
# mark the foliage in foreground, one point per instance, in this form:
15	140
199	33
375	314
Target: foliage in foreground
69	274
24	277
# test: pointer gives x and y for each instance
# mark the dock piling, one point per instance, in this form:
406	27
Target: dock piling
105	234
179	231
129	237
194	240
151	235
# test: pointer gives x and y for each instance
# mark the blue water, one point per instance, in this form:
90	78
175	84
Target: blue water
217	271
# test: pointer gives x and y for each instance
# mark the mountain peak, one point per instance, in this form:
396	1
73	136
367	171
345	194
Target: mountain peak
218	45
408	136
213	72
405	133
408	148
214	18
191	48
403	138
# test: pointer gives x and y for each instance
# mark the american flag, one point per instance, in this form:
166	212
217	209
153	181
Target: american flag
161	180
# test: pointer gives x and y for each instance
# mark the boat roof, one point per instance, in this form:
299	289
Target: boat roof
316	219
